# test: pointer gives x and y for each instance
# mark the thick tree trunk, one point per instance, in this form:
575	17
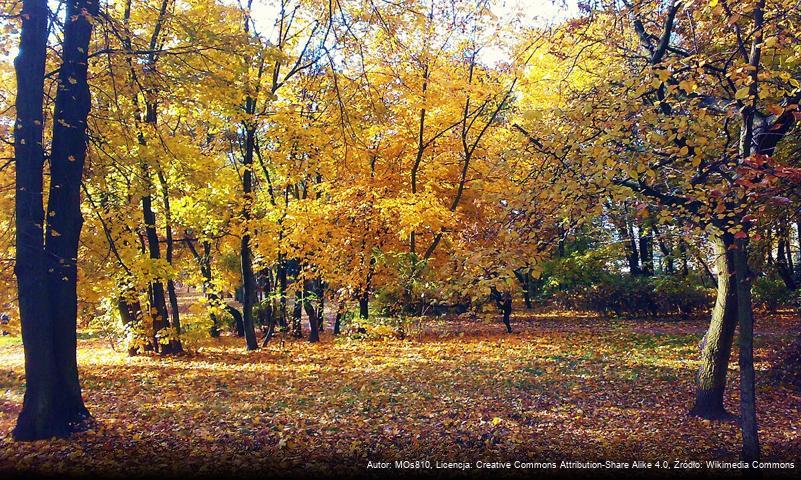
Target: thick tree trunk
47	269
716	346
39	417
748	422
64	218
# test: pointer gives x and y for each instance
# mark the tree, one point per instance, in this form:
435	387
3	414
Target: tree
46	268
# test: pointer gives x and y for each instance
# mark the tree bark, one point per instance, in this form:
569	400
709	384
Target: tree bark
716	345
646	253
248	276
282	285
175	345
311	313
748	422
240	326
297	313
364	305
46	266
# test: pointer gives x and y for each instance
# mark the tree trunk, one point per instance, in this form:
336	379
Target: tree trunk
646	253
321	308
297	313
47	270
716	345
175	344
248	294
282	285
248	277
745	313
507	311
158	304
39	417
364	305
240	326
64	218
131	315
685	260
504	303
311	312
337	322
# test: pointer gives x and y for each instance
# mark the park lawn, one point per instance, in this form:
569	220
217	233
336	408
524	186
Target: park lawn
558	388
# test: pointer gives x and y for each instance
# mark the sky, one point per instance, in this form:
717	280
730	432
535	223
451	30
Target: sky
534	11
531	12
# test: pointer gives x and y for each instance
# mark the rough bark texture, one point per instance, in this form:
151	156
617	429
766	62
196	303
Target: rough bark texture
716	346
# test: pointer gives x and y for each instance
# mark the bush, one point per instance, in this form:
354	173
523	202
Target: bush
681	294
770	292
619	294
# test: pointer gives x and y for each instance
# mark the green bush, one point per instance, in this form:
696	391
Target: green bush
592	281
681	294
770	292
618	294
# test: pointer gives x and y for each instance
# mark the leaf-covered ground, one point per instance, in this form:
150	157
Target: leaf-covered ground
559	388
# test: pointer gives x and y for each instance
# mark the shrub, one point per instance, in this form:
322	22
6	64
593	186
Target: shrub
619	294
681	294
770	292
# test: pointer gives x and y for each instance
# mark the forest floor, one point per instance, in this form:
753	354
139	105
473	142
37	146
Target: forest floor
559	388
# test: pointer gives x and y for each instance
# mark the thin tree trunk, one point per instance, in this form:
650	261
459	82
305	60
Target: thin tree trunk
507	311
745	313
248	277
297	314
131	316
364	305
175	344
311	312
338	322
240	326
282	285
